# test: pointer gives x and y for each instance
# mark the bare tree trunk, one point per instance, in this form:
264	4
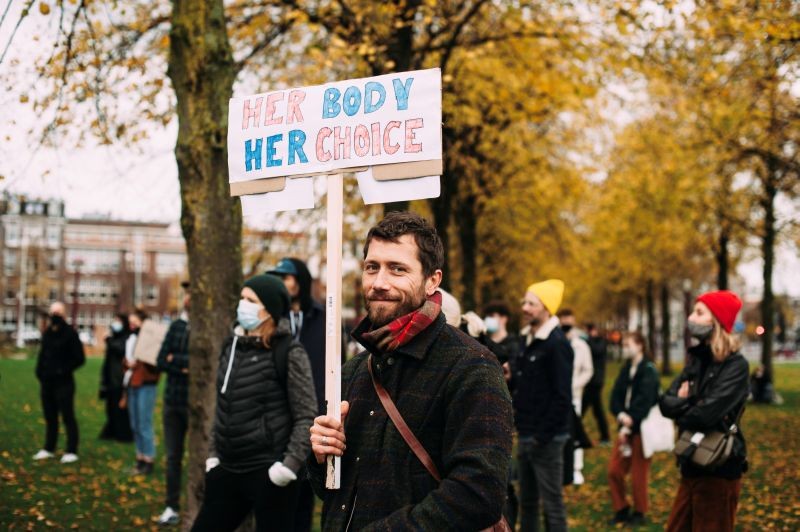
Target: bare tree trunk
400	54
651	318
722	257
666	367
468	236
202	71
768	250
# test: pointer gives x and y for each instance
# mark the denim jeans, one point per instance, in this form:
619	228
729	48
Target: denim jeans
541	474
141	402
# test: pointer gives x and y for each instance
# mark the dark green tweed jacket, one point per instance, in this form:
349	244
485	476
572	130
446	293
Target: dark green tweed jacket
451	392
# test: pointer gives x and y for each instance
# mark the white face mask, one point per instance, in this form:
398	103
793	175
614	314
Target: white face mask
247	314
492	324
629	353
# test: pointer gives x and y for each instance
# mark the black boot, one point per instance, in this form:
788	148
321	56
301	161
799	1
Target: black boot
147	468
621	516
636	519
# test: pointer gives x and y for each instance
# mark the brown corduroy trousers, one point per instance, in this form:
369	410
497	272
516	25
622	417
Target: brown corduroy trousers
705	504
639	468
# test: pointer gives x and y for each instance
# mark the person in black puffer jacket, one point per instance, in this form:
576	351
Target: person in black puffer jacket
60	355
708	395
118	424
265	406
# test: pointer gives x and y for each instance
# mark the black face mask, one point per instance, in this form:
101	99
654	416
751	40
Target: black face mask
566	328
55	319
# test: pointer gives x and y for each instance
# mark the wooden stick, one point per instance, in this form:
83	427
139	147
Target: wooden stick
333	313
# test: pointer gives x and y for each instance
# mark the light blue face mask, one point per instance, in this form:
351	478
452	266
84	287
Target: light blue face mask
492	324
116	326
247	314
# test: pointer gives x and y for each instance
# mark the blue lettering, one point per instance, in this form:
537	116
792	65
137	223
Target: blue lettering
271	151
371	88
351	101
251	155
401	91
330	103
297	138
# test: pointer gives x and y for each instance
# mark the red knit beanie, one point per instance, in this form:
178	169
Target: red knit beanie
724	305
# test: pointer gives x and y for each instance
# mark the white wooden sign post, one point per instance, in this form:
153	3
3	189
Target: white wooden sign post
385	129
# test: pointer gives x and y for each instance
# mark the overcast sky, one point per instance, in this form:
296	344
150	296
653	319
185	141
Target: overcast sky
143	184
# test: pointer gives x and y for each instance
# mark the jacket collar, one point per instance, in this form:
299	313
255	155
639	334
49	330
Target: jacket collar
417	348
543	333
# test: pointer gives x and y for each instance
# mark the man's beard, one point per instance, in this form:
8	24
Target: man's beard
383	315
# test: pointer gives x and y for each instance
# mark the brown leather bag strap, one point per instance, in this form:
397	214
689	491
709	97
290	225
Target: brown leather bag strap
401	426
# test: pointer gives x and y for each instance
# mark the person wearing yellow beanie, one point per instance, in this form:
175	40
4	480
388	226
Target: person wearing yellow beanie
550	293
541	380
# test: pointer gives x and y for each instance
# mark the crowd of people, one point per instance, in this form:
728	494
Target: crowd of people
432	404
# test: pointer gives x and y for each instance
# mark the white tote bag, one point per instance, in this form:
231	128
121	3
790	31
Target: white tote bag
658	433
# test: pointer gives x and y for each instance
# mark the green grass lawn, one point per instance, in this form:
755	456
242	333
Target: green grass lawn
96	493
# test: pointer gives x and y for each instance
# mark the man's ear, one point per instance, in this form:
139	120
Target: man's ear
433	282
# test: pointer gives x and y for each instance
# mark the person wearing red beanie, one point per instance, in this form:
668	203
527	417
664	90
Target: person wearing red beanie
724	305
709	395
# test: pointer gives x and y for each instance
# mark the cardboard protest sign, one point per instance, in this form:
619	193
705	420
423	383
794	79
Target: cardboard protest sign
385	129
347	125
148	341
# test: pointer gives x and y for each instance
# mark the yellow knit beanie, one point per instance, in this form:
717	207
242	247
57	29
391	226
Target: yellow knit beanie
550	293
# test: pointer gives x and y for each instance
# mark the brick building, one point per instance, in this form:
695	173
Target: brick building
100	266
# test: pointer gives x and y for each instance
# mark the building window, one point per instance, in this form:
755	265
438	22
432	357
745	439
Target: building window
9	262
12	234
53	236
152	295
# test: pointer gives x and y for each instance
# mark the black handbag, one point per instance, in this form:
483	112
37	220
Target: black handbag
710	449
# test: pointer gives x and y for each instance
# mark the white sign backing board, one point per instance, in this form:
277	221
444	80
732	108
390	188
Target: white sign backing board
394	118
148	341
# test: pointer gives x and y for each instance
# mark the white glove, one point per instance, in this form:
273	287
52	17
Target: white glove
280	475
475	325
211	463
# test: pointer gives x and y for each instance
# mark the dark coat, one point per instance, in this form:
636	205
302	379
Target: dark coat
176	343
718	391
113	370
451	393
61	352
312	336
259	419
542	387
599	348
644	392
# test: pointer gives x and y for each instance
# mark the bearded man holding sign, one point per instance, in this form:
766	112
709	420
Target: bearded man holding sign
446	388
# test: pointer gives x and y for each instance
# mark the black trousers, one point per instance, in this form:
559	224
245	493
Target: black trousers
593	398
230	497
118	424
176	423
305	504
58	397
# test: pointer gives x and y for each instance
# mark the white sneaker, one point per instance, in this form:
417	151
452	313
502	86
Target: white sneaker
42	455
577	478
68	458
169	517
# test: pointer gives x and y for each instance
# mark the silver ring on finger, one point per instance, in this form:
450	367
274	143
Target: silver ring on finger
324	440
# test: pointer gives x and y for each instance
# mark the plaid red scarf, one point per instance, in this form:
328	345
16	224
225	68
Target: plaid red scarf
403	329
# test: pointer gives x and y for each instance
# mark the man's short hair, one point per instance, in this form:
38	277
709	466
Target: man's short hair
497	307
565	313
430	250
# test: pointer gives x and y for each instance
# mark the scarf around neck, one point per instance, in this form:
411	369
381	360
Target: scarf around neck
402	330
